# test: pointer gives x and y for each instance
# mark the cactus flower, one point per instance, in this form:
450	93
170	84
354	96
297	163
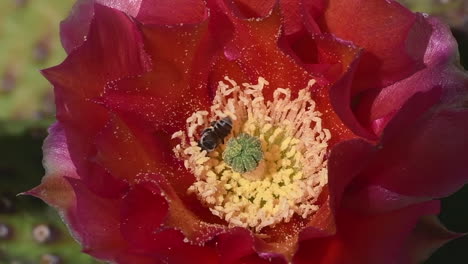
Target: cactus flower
334	126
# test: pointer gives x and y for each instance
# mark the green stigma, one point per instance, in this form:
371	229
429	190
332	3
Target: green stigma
243	153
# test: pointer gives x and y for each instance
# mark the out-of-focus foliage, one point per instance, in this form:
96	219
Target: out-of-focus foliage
454	12
29	41
20	169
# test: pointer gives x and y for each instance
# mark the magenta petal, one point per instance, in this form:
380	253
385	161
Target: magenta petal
376	199
96	225
440	71
347	159
74	29
408	173
431	164
88	216
143	211
427	237
95	222
57	161
367	239
54	189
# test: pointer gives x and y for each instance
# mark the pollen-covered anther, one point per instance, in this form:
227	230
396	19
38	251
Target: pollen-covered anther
270	166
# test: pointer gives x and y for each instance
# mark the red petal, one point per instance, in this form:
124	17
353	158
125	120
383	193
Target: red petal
101	182
113	50
340	99
300	14
239	245
158	223
252	8
336	61
177	84
170	246
321	224
281	241
195	228
129	152
254	48
95	222
367	239
165	12
254	51
234	245
391	35
74	29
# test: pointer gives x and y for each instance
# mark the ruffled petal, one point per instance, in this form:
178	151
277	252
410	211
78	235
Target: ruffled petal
440	71
177	84
302	15
83	75
254	48
253	52
346	161
95	223
297	15
393	39
335	61
128	152
74	30
88	216
239	245
367	239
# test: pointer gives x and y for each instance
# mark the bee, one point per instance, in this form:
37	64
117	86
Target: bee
215	134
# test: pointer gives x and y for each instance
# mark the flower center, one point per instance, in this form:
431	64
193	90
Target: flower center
273	164
243	153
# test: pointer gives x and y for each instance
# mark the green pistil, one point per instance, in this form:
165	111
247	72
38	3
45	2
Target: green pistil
243	153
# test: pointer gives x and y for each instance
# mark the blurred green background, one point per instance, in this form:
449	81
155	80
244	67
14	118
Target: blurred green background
31	232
